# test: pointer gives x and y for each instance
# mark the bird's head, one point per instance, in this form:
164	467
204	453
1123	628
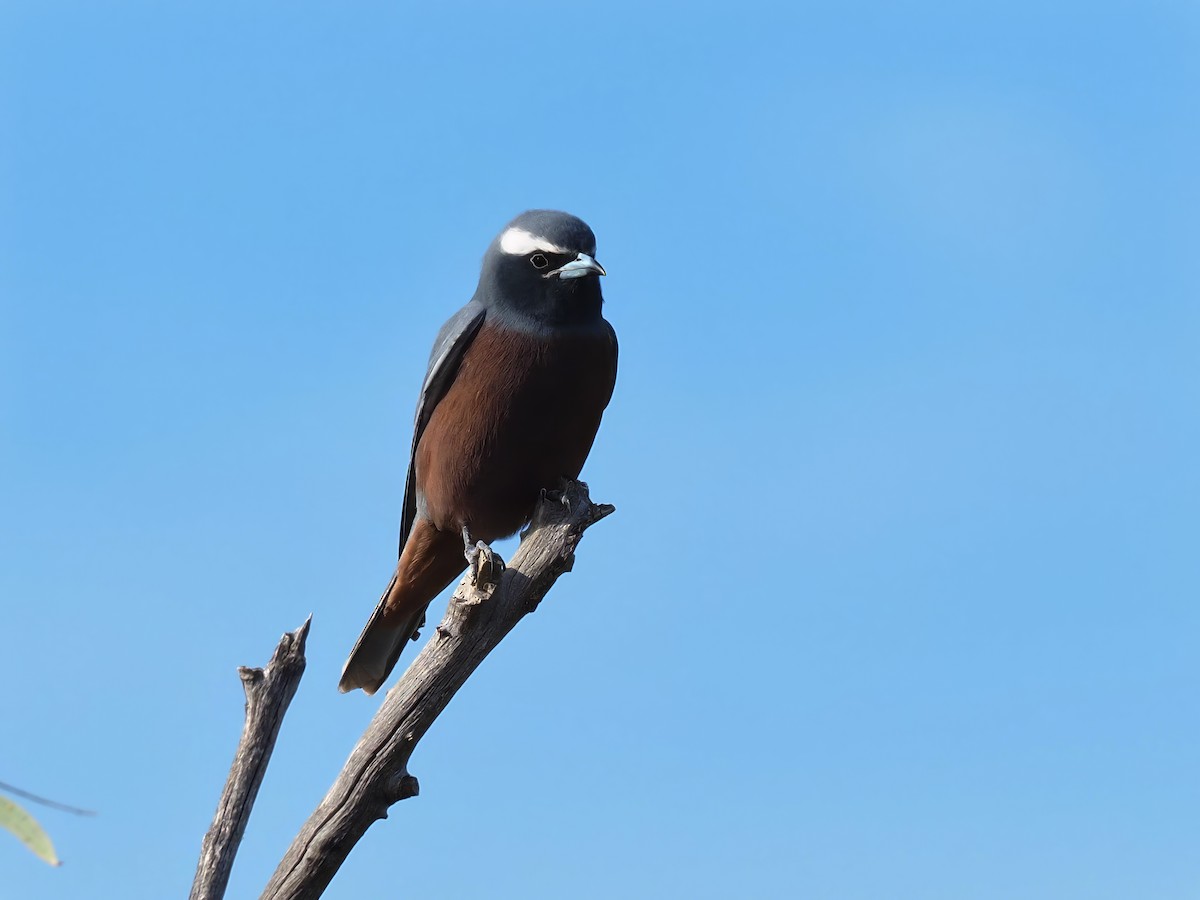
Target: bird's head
543	267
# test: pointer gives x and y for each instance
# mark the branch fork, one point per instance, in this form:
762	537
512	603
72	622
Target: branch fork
486	605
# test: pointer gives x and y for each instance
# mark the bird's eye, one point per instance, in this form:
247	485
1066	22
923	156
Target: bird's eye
539	261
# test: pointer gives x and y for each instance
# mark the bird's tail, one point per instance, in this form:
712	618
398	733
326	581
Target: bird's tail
380	645
431	560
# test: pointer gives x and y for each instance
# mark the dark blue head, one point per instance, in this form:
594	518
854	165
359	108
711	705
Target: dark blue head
542	267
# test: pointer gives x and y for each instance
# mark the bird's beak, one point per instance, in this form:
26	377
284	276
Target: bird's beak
578	267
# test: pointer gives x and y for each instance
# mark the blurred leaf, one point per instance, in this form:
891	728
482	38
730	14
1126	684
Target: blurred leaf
25	827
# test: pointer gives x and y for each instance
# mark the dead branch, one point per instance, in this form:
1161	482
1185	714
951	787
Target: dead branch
479	615
268	693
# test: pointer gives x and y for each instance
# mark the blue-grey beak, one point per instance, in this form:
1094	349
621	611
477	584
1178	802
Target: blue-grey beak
578	267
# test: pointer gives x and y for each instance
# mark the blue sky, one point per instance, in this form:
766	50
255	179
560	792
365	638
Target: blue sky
900	599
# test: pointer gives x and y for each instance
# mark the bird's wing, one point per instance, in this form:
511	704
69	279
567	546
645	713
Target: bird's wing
612	334
452	341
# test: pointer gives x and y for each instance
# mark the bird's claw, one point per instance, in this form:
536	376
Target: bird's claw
485	565
557	495
541	513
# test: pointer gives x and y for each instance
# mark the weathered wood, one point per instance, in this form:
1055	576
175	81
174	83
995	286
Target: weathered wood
268	693
479	615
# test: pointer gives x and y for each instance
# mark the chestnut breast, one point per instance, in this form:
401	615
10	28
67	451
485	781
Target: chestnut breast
521	414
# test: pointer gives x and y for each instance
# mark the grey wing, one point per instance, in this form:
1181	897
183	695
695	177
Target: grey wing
612	334
452	341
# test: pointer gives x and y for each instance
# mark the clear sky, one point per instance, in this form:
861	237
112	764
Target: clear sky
901	595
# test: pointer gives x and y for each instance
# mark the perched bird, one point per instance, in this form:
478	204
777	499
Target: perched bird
517	382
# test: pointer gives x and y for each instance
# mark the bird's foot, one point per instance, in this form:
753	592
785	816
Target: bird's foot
484	564
558	494
544	512
487	566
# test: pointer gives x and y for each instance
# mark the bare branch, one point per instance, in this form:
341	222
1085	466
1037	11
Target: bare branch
268	693
478	616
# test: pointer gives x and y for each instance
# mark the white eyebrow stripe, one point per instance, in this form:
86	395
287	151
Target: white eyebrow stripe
518	242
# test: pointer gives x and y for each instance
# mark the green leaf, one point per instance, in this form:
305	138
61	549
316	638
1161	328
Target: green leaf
24	826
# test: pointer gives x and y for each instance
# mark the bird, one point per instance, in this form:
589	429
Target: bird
517	382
